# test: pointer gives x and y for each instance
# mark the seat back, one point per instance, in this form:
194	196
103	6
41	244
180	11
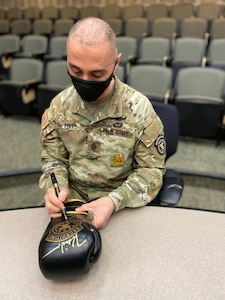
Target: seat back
136	27
56	74
209	11
50	12
62	27
182	10
69	12
164	27
21	27
155	11
117	25
89	11
14	13
9	42
32	13
110	11
217	29
202	83
172	188
127	46
23	69
4	26
199	100
57	46
189	50
153	50
43	26
193	27
152	81
34	44
216	53
132	11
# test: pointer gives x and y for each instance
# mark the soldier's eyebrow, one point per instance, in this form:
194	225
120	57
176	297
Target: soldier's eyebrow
92	71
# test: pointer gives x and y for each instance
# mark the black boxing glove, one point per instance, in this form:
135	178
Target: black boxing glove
69	247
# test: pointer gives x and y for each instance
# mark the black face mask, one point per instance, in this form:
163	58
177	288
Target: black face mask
90	90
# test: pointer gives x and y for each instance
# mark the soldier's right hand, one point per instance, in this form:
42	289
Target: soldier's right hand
54	204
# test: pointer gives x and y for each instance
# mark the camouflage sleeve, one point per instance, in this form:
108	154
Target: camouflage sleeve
54	154
144	183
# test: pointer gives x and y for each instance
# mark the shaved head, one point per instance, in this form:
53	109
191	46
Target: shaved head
93	32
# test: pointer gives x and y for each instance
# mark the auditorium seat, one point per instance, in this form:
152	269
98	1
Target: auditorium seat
215	56
187	52
136	27
69	12
128	47
194	27
173	183
43	27
164	27
217	29
50	12
110	11
89	11
21	27
153	81
132	11
154	51
200	101
9	45
62	27
32	13
56	79
156	10
18	93
182	10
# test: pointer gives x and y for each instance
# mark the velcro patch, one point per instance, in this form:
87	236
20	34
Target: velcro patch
117	160
160	144
44	120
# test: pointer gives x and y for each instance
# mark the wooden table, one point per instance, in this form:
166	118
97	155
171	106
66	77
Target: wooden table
148	253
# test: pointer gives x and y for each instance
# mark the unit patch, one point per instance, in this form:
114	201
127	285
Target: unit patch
160	144
117	160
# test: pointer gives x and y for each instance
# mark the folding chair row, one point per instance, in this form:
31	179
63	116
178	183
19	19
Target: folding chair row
36	46
135	27
46	27
198	95
151	11
30	92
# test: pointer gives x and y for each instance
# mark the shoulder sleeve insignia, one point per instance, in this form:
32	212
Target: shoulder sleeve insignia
44	120
160	144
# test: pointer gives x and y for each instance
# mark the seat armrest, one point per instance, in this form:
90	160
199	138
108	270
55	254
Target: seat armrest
172	188
32	83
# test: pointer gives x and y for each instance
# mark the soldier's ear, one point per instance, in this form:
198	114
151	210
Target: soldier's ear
117	61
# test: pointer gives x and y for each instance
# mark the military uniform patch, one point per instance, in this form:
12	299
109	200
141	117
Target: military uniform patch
160	144
44	120
117	160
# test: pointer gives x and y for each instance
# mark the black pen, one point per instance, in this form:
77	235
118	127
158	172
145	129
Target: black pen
57	191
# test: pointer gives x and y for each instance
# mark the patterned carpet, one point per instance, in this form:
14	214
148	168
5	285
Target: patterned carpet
20	150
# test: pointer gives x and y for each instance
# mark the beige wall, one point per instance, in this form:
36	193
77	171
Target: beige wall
25	3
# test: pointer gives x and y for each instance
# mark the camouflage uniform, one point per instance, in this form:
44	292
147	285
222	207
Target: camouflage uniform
119	150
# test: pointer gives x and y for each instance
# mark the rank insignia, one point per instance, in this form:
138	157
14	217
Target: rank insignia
160	144
117	160
44	120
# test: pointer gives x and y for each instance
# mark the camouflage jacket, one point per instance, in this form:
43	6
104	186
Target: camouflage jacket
118	151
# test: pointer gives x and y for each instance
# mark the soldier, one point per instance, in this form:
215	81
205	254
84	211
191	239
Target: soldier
101	138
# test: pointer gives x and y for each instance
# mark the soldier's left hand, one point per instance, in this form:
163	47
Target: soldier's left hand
102	209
